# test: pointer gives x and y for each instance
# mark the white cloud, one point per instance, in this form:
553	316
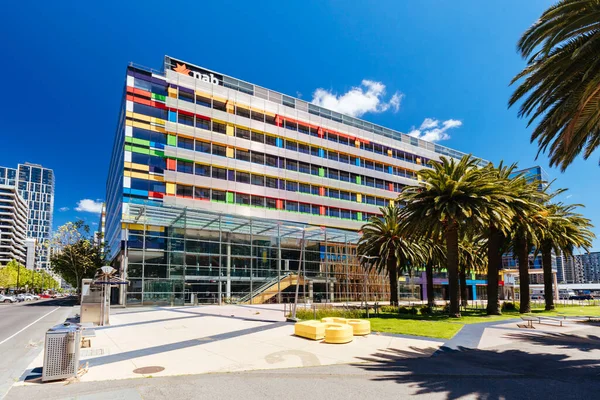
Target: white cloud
63	209
359	100
87	205
432	130
569	196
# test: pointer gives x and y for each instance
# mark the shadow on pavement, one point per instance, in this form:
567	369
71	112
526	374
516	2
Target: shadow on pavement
561	340
63	302
487	374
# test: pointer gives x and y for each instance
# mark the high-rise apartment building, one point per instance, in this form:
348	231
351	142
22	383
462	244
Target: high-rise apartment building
13	225
36	185
590	265
214	182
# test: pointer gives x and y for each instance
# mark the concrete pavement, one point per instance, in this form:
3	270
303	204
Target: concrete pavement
22	329
560	368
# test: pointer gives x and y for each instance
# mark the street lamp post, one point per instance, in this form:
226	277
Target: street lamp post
300	269
365	283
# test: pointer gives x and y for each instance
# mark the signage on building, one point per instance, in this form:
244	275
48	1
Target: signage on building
195	72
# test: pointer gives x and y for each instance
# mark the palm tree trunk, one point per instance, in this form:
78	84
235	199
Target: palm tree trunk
494	260
429	276
393	275
464	292
523	256
452	267
547	267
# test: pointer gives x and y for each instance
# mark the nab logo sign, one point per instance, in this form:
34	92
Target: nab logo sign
183	69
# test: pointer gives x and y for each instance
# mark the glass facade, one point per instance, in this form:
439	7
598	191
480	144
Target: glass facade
192	139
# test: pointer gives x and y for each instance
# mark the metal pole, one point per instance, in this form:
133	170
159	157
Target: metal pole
279	265
251	262
298	276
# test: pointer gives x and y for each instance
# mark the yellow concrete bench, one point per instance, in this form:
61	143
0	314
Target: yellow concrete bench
360	327
334	320
338	333
314	330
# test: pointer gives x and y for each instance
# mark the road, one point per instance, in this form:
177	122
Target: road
22	329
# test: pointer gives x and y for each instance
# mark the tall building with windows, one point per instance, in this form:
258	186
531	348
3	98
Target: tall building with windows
36	185
214	181
13	225
590	265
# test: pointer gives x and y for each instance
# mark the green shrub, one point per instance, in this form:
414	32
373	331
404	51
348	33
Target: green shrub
403	310
413	310
324	312
389	309
426	310
510	306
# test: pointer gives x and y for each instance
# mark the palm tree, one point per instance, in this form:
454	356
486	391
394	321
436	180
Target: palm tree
561	82
383	246
455	194
525	233
496	236
562	229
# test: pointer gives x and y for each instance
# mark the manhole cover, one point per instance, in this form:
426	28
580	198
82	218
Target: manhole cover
148	370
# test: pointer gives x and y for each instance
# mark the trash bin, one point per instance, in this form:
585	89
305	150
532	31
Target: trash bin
61	352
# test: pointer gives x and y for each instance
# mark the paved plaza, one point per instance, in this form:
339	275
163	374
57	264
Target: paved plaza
220	352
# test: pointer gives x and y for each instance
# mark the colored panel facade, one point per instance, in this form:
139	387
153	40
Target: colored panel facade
190	138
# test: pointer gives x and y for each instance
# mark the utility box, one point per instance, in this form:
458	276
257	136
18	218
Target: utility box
61	352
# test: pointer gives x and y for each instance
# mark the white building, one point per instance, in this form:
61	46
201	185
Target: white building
13	225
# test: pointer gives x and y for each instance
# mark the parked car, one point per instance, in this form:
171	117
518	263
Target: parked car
35	296
7	299
45	296
537	296
582	297
25	297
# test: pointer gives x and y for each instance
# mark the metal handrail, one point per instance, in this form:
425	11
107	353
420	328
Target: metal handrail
263	287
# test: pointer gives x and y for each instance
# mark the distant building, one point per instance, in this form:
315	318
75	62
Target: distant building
99	234
30	247
13	225
590	266
36	185
573	270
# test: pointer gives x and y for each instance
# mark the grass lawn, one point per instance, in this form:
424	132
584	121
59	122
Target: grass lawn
435	329
439	325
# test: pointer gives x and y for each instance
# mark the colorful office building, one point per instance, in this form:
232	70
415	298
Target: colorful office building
214	182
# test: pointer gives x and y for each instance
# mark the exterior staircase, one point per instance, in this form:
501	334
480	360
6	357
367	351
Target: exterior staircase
270	289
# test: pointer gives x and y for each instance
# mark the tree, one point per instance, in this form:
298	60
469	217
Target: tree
433	255
472	257
454	196
561	229
383	246
561	83
75	255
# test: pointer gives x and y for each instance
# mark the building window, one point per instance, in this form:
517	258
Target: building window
242	133
304	188
242	155
271	161
203	101
258	180
304	208
258	158
242	112
303	148
202	170
291	145
219	150
291	205
242	198
219	173
186	119
258	137
186	167
202	124
258	201
271	203
291	186
185	191
257	116
271	140
242	177
271	182
334	193
202	147
202	193
219	128
186	96
218	195
219	105
334	212
185	143
304	167
291	165
315	209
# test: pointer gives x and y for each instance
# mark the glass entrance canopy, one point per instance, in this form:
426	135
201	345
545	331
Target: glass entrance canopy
187	256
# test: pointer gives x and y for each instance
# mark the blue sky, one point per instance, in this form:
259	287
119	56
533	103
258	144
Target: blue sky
64	66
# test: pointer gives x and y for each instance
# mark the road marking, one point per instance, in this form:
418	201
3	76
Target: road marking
40	318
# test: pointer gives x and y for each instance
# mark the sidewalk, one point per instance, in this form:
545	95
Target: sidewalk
208	339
